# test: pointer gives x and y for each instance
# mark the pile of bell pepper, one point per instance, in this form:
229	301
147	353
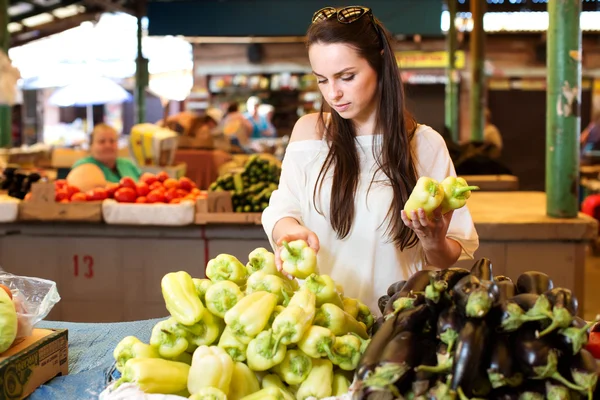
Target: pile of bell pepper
451	194
248	331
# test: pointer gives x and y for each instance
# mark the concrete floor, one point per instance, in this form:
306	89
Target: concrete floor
592	284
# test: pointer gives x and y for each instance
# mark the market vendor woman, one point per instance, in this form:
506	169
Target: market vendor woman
102	165
347	174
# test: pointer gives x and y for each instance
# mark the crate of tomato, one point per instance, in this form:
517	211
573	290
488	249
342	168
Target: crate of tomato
154	200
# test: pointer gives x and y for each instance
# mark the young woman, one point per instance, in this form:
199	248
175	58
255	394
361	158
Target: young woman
346	175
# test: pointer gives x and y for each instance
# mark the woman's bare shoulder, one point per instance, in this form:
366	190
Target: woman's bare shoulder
309	127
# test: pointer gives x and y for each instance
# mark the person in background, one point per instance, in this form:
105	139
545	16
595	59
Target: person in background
260	126
590	137
102	165
492	137
236	127
267	111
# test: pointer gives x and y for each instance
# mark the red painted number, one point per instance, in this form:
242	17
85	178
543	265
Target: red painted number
87	261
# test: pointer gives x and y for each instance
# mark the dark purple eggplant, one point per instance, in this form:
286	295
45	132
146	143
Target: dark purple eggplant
423	379
395	287
505	393
443	364
382	302
443	281
584	370
449	324
533	390
401	301
482	269
377	325
473	297
534	282
471	358
512	312
502	278
502	370
575	337
537	357
416	283
526	301
564	307
440	391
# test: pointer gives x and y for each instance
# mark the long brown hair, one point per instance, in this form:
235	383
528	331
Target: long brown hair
373	43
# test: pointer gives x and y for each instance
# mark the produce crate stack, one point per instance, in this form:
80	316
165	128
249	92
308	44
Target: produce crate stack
251	186
464	334
250	332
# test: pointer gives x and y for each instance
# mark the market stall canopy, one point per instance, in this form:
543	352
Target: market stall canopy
89	91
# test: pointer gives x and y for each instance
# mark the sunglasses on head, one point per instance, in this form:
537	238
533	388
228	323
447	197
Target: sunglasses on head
346	15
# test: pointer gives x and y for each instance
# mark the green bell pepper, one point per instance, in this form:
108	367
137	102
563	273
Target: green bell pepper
317	342
155	375
291	324
299	259
261	259
181	299
222	296
226	267
209	393
346	351
250	315
131	347
205	332
8	321
202	286
456	193
319	382
261	281
324	289
338	321
232	345
243	382
294	368
273	381
169	338
263	352
427	194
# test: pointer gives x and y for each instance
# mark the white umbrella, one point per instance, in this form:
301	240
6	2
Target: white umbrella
88	92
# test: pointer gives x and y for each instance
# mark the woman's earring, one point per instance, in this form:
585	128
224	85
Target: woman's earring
381	52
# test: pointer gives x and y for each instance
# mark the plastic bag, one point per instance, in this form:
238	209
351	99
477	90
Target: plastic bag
33	298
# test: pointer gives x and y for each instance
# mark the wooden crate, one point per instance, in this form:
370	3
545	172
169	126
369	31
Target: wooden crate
43	207
217	209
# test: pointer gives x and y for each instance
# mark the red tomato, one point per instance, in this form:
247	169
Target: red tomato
186	183
593	345
61	194
156	185
195	191
189	197
141	199
162	176
127	182
78	197
142	189
182	193
111	188
171	194
125	195
175	201
148	178
156	196
171	183
72	190
60	183
99	194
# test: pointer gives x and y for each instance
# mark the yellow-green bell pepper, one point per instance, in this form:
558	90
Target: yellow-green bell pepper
202	286
261	281
338	321
299	259
319	382
169	338
456	193
264	352
226	267
270	393
181	298
184	357
232	345
243	382
340	385
317	341
351	306
222	296
276	311
211	367
346	351
156	375
131	347
273	381
427	194
261	259
250	315
205	332
8	318
324	289
365	315
209	393
291	324
294	368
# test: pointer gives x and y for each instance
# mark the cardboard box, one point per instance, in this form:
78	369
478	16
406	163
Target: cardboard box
32	362
43	207
152	145
217	209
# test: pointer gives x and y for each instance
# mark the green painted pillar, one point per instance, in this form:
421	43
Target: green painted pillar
5	111
563	104
451	103
141	72
477	95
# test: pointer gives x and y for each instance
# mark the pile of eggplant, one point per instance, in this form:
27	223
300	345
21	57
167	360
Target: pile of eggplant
467	334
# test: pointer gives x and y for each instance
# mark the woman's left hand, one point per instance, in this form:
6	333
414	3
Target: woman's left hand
430	230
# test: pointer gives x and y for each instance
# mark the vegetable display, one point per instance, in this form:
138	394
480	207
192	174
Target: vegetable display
467	334
248	331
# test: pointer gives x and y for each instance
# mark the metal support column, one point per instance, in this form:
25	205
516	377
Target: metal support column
451	101
477	98
563	105
141	73
5	110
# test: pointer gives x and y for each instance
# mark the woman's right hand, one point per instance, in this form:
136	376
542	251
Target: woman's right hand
298	232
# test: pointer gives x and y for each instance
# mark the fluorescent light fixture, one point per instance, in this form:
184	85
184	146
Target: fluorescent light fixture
14	27
19	8
69	11
39	19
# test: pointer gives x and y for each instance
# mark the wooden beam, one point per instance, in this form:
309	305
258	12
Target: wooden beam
110	6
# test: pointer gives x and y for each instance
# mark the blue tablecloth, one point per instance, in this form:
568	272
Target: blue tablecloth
91	347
